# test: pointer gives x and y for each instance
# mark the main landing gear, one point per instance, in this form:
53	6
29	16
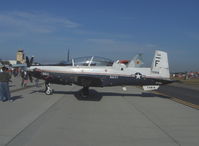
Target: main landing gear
84	91
48	90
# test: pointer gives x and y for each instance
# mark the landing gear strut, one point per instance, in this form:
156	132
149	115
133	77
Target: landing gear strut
85	91
48	90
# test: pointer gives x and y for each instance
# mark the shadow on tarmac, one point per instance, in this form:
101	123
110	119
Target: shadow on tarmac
16	97
97	96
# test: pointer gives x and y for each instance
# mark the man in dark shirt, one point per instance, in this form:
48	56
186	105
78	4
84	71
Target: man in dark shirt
4	85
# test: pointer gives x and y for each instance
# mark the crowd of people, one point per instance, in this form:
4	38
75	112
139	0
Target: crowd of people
5	79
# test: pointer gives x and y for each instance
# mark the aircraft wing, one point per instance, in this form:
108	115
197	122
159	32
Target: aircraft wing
88	81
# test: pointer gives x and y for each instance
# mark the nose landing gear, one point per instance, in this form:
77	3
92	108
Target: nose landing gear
48	90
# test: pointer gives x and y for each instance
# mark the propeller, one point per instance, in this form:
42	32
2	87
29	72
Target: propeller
29	63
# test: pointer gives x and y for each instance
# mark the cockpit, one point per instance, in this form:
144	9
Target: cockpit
92	61
89	61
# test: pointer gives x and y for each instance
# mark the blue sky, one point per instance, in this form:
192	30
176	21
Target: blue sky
117	29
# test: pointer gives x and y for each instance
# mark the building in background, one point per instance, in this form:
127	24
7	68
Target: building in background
18	63
20	56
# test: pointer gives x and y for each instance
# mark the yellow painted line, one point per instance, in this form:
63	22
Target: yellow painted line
179	100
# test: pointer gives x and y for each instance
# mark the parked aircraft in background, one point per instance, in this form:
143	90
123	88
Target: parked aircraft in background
102	72
137	61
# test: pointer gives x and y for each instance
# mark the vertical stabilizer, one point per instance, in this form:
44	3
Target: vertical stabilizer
160	64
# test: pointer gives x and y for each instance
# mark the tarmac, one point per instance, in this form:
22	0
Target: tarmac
190	96
108	117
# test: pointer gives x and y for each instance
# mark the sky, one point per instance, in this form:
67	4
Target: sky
115	29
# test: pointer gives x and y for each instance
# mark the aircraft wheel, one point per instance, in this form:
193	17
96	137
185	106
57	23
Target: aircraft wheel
49	92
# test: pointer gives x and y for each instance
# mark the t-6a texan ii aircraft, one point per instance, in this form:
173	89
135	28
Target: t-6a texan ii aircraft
99	72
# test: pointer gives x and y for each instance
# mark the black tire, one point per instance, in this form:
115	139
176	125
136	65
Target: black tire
49	92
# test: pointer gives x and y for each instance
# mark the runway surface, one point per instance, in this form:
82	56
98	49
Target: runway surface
183	92
109	117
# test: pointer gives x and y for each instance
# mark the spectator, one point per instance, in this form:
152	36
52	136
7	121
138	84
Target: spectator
25	78
4	85
22	78
36	82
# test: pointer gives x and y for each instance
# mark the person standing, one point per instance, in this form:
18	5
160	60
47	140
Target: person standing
22	78
36	82
4	85
25	79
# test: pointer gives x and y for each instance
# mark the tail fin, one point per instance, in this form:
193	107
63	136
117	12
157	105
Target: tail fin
160	64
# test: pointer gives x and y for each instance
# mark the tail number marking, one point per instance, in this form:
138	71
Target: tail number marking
158	57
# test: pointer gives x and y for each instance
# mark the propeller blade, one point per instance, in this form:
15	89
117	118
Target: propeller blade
31	60
27	61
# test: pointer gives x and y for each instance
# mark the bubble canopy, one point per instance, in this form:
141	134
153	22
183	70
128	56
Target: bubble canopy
92	61
89	61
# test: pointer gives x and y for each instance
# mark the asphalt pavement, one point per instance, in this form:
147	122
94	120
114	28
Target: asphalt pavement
183	92
108	117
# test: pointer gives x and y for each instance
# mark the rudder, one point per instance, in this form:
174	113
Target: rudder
160	64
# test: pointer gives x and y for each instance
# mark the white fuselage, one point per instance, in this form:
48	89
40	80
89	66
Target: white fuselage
98	70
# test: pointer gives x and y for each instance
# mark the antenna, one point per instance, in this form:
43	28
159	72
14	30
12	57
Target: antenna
68	55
